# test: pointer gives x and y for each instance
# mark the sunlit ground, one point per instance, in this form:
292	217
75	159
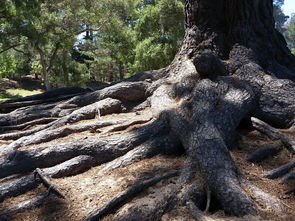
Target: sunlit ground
16	93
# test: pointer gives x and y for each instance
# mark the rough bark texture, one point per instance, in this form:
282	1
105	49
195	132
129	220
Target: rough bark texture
273	133
264	152
126	195
282	170
232	65
25	205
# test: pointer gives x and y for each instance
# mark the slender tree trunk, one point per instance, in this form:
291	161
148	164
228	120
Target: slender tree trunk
45	72
121	70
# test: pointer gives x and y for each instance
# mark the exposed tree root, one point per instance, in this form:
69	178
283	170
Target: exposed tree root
38	174
154	205
17	135
282	170
68	168
49	94
125	125
197	102
18	186
103	150
276	104
128	91
127	195
46	97
264	152
26	205
288	177
25	114
131	91
263	198
158	145
207	140
51	134
28	124
18	105
197	213
263	127
203	121
103	107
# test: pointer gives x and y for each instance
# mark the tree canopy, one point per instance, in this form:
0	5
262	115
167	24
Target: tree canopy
71	42
67	42
224	103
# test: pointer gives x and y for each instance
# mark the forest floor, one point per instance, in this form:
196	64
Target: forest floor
19	87
91	189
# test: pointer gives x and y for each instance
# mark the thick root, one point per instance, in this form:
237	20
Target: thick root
51	134
264	152
17	135
288	177
68	168
126	91
18	187
26	205
102	150
206	139
263	198
28	124
103	107
276	103
160	145
282	170
199	111
129	193
273	133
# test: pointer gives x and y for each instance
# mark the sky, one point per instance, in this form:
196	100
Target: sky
289	7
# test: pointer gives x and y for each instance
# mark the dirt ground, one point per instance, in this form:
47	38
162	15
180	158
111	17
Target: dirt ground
87	191
91	189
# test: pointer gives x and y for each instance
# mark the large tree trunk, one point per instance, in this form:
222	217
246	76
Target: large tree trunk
232	65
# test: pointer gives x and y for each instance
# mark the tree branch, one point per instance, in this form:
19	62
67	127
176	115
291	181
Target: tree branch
10	47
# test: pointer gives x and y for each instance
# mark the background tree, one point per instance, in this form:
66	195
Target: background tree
279	16
233	66
45	32
138	35
159	32
290	33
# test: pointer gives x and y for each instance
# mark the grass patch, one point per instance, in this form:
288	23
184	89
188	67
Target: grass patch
14	93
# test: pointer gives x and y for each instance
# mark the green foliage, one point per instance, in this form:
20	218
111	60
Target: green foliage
70	74
279	17
8	65
113	38
11	65
137	36
159	30
150	54
290	34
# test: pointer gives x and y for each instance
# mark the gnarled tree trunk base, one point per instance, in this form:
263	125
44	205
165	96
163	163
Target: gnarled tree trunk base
220	77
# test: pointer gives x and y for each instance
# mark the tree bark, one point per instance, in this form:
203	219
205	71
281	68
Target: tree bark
232	65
